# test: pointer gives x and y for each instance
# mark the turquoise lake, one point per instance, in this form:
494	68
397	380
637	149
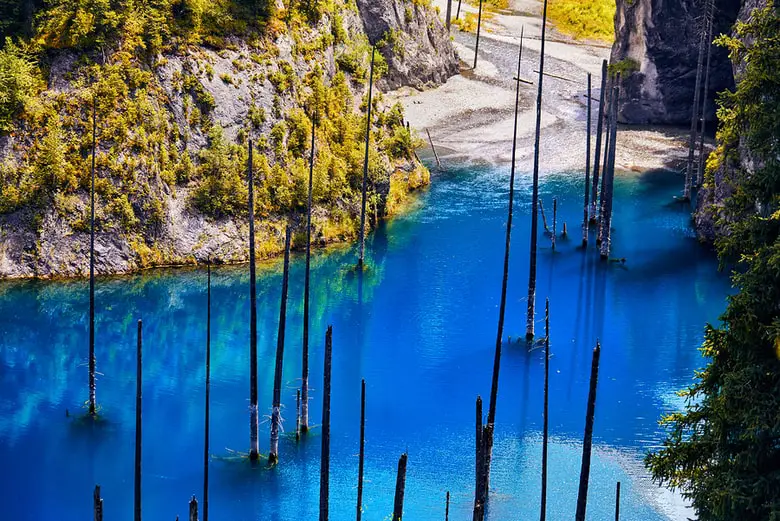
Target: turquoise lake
420	328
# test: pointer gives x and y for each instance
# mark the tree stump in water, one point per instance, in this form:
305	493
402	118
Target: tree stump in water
582	497
97	504
193	509
400	488
325	454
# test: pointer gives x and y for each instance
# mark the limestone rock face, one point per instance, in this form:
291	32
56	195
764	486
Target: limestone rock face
657	47
419	53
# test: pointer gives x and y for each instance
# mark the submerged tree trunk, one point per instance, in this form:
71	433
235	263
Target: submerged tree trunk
694	118
138	426
582	497
362	455
447	507
543	514
193	509
531	315
92	387
705	97
208	399
599	132
544	217
478	459
479	27
617	501
587	170
276	414
325	455
400	488
254	447
306	286
97	504
365	164
555	222
606	224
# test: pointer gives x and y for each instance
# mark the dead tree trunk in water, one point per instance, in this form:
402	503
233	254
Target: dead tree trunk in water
582	497
325	456
546	422
276	413
705	97
365	164
362	455
617	502
505	279
449	14
544	217
599	132
457	15
606	224
193	509
400	487
92	387
138	433
479	27
694	118
531	315
555	222
306	290
97	504
478	459
208	395
447	507
605	173
587	171
254	447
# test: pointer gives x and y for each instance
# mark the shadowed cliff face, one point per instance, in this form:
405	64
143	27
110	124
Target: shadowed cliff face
657	47
420	53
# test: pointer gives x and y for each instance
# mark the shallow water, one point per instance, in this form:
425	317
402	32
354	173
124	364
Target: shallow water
420	329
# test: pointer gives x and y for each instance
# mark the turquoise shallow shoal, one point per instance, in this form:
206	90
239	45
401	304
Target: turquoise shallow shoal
419	327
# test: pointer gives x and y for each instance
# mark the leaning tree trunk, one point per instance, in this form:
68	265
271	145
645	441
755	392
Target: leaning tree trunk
505	279
365	164
325	456
599	132
543	514
138	426
92	387
609	195
694	118
531	316
306	285
582	497
587	172
400	488
254	447
208	399
276	414
710	16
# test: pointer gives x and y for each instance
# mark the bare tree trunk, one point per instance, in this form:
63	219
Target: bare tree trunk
254	447
479	28
585	219
582	497
92	387
705	97
606	224
138	433
193	509
505	279
325	457
605	173
617	502
306	290
546	422
361	457
478	459
276	414
297	415
599	132
97	504
365	164
400	487
555	222
544	217
694	118
449	14
457	15
206	427
447	508
531	315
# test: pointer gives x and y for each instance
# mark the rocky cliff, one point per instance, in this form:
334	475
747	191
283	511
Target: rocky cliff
173	128
656	49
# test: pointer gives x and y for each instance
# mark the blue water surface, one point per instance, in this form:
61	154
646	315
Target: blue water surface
419	327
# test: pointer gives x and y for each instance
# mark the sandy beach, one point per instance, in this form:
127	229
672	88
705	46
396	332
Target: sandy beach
470	118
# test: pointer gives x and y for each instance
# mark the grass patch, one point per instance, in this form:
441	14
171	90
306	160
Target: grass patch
590	19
